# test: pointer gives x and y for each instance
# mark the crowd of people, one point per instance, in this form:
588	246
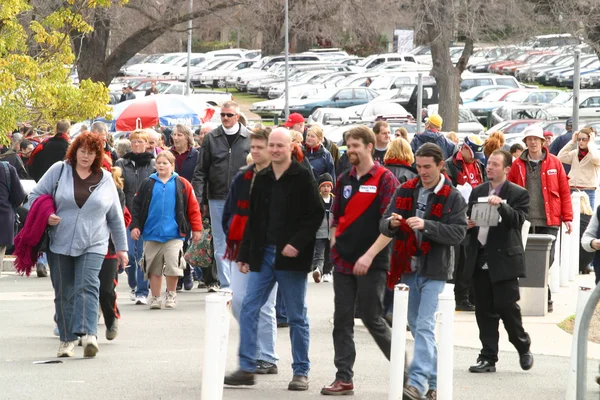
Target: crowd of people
284	204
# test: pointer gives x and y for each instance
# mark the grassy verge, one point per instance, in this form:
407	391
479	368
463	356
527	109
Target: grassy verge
568	325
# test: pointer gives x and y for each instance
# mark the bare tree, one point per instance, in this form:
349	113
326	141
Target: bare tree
439	20
163	16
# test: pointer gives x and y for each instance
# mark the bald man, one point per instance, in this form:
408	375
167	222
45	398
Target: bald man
284	216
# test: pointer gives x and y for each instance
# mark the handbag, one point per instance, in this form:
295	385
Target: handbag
44	243
201	254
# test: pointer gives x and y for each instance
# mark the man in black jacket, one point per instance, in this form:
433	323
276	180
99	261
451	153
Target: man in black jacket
277	247
427	216
223	153
50	151
498	255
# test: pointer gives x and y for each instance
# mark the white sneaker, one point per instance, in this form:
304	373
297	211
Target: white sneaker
132	295
327	278
170	301
90	345
66	349
155	303
141	300
316	275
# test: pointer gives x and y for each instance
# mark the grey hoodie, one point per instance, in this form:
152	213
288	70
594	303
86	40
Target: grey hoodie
84	230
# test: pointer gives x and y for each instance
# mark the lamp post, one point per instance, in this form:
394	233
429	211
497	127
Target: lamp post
189	51
287	51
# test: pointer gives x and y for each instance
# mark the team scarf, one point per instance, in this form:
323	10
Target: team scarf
396	161
408	247
240	217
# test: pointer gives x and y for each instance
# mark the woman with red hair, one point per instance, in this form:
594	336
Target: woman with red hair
86	213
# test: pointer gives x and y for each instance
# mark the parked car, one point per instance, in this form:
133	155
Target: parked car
216	77
589	105
512	126
334	98
512	111
477	93
470	80
275	107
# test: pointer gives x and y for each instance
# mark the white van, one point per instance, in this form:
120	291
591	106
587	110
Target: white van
471	80
376	59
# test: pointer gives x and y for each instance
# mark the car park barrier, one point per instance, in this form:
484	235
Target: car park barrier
582	298
216	339
398	350
445	361
582	339
534	294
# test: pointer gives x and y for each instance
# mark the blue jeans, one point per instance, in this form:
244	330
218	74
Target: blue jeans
135	275
219	241
260	287
76	293
422	305
42	259
280	308
267	326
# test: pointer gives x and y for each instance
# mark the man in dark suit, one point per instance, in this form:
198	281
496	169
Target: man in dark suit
498	255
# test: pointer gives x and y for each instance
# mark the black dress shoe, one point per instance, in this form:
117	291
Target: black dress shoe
465	305
483	366
526	361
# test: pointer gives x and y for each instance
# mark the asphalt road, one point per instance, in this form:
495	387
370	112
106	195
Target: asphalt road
158	355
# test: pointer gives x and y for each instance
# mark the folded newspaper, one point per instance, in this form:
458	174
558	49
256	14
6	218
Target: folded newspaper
484	214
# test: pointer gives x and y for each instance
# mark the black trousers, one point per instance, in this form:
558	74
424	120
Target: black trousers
109	278
463	274
495	302
547	230
370	288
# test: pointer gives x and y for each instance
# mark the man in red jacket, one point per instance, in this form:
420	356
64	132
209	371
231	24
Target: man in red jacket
544	177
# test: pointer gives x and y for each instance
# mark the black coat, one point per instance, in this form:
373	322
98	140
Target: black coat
8	202
136	168
506	256
303	216
189	164
14	159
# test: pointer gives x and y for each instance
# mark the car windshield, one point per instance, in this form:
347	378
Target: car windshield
170	59
523	57
527	113
382	82
466	115
322	94
470	93
495	96
562	98
404	92
366	61
517	97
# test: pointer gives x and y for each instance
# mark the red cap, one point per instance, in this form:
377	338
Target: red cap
293	119
548	134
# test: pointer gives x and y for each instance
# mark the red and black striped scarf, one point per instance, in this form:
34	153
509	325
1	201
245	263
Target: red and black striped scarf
408	246
240	217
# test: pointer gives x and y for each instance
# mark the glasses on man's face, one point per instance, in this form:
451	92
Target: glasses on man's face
583	139
228	115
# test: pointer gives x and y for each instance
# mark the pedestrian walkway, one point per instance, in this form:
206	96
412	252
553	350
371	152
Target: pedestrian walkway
158	354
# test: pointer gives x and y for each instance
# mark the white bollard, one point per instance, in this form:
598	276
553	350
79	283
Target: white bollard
398	351
216	338
582	299
445	363
565	254
554	277
575	243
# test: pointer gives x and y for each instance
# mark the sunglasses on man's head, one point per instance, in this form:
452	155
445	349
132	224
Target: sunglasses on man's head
228	115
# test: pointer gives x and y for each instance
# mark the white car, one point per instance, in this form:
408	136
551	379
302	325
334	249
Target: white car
216	77
271	108
589	105
137	69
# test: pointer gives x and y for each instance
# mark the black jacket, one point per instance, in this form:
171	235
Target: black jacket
136	168
303	215
14	159
9	201
53	150
506	256
219	164
141	204
443	235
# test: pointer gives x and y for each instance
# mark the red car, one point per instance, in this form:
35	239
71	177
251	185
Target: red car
521	59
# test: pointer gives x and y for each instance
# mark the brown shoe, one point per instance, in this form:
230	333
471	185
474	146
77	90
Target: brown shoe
298	383
338	388
431	394
240	378
411	393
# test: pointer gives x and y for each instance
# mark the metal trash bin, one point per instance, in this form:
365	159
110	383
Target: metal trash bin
534	288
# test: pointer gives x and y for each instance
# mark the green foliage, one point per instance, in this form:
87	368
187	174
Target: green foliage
201	46
37	88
